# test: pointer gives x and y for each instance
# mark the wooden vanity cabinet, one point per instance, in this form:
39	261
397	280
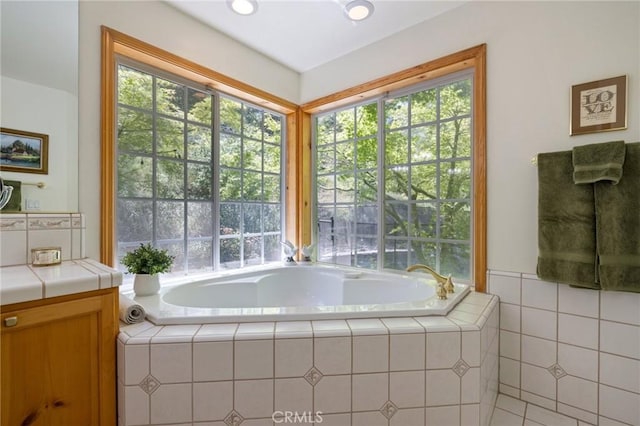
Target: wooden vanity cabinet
58	362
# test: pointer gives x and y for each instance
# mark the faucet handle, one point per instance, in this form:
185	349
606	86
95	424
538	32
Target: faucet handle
448	285
441	291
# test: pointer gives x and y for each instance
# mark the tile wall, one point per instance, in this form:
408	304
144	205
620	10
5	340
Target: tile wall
571	350
20	232
395	371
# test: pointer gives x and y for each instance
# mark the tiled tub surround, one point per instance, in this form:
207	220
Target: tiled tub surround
571	350
20	232
23	283
391	371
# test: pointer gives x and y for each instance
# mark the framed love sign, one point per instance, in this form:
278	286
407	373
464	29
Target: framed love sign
599	106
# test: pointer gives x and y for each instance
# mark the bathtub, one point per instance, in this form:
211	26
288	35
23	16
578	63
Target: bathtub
302	292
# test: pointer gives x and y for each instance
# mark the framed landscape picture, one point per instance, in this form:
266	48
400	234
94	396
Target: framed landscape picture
599	106
24	152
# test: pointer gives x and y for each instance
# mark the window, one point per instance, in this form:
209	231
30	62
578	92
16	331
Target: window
396	172
198	173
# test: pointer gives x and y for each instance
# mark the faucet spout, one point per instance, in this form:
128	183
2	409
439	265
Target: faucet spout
440	279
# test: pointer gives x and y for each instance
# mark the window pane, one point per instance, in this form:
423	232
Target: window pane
170	134
326	189
175	249
252	155
455	221
199	220
396	219
135	131
271	217
252	186
396	183
345	190
252	123
424	220
423	144
230	151
272	128
252	221
170	218
423	252
367	189
199	181
200	254
397	112
423	182
367	220
396	148
345	156
170	179
135	88
229	184
271	158
345	121
455	138
199	143
135	220
367	153
455	99
230	252
253	250
325	129
272	248
367	253
199	104
134	176
395	254
169	98
230	116
271	191
455	259
229	218
367	120
423	107
455	180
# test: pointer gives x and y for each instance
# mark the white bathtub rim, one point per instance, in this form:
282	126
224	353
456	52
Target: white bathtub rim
162	313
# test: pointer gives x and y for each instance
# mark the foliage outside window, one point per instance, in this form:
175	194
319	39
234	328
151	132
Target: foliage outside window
197	174
395	173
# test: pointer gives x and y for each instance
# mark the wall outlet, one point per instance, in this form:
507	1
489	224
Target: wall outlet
31	204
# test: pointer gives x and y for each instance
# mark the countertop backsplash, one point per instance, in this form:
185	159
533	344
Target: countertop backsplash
21	232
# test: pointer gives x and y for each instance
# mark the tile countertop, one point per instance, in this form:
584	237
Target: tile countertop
23	283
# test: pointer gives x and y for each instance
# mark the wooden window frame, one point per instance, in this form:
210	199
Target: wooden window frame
475	58
298	191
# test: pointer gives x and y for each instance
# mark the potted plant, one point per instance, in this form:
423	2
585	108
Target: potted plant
146	262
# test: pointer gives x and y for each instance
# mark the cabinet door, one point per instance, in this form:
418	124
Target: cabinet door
51	364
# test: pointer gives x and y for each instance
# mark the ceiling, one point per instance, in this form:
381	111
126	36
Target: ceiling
304	34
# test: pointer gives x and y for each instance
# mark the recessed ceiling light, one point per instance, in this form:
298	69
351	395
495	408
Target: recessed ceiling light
243	7
358	10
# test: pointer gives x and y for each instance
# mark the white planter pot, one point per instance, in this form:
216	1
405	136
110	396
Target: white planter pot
146	285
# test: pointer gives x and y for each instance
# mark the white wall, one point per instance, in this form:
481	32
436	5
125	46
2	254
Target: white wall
34	108
535	52
162	26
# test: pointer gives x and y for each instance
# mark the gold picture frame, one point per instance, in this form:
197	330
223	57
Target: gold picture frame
599	106
24	152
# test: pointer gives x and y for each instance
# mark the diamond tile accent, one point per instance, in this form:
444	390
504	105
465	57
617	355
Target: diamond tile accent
557	371
460	367
149	384
389	409
313	376
233	418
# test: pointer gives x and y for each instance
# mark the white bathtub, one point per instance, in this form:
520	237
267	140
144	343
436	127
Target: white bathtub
298	293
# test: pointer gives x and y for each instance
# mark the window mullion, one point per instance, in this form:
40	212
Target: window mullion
215	164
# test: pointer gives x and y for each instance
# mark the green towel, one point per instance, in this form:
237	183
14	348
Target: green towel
15	202
618	227
566	224
598	162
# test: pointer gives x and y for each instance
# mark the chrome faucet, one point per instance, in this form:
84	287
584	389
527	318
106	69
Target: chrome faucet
445	285
290	251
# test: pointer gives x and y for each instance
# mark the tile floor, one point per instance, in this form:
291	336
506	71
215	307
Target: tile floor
513	412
